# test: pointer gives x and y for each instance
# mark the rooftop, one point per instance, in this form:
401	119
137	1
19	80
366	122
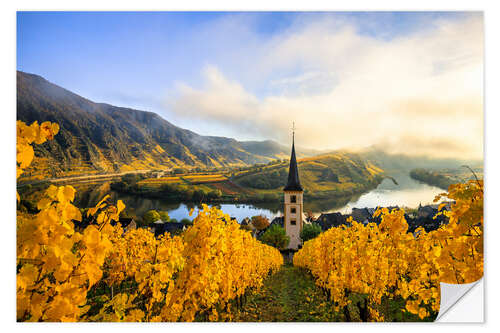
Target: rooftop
293	183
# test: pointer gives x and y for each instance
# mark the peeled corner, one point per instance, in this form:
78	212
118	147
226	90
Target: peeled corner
462	303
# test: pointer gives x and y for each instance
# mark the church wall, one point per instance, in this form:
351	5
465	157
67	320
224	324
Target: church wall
293	231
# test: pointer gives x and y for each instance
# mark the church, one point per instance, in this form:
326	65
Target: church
293	203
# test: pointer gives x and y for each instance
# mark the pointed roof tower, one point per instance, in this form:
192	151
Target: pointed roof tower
293	183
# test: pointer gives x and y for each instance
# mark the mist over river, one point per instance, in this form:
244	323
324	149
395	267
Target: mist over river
408	193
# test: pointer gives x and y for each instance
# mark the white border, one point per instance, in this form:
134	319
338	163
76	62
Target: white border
8	65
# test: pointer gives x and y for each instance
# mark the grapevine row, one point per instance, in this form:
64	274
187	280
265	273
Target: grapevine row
385	262
64	271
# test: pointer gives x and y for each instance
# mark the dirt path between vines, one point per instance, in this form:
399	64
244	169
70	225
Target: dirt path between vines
288	295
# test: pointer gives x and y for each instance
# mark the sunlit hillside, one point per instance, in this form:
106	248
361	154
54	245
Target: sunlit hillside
97	137
334	172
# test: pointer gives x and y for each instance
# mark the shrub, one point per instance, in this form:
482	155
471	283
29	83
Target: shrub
130	179
310	231
164	216
260	222
275	236
151	216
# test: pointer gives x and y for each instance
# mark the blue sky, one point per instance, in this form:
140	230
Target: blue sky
127	57
166	62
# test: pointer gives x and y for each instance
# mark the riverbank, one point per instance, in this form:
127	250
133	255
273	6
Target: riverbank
431	178
443	178
226	191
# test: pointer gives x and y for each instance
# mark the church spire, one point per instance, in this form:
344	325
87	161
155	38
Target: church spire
293	183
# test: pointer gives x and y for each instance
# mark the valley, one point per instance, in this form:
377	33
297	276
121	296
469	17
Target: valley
141	157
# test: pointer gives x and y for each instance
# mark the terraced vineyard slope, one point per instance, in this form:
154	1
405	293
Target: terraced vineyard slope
325	175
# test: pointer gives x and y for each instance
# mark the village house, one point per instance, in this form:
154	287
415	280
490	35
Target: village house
159	174
426	211
362	215
127	223
428	218
279	220
331	220
246	221
160	227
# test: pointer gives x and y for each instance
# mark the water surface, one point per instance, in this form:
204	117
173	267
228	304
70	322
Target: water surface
407	193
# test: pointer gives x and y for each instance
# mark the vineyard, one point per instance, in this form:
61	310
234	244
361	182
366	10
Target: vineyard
186	180
199	179
68	272
157	182
383	262
101	273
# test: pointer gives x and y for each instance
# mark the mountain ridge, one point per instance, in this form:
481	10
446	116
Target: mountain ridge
99	137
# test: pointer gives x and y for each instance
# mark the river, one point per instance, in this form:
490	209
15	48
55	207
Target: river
408	193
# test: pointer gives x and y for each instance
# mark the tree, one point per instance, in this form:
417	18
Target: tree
198	195
164	216
270	197
215	194
260	222
275	236
186	221
310	231
130	179
151	216
246	227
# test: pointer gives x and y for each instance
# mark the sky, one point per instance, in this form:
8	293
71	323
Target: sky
408	82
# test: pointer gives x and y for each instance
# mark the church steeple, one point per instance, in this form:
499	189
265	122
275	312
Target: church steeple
293	202
293	183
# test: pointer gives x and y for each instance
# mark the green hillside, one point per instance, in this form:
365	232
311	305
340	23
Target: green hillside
321	176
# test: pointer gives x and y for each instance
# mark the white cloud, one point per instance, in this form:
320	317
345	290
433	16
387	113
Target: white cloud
421	93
